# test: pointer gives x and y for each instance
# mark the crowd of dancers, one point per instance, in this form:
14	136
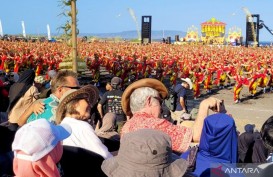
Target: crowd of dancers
207	66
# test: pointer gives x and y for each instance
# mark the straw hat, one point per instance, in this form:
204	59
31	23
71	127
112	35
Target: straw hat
89	91
147	82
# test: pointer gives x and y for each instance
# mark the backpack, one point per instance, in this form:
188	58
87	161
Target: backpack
171	99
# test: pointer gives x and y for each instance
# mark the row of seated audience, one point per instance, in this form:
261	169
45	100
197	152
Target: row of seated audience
52	136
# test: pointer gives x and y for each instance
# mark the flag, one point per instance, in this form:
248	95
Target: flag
1	29
48	32
24	30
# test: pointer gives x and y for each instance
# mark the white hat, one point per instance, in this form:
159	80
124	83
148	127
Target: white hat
188	80
38	138
39	79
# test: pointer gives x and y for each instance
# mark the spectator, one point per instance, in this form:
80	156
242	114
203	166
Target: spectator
21	96
245	144
39	82
4	102
265	169
51	74
107	133
145	152
12	77
2	76
260	152
74	110
46	108
181	102
218	144
112	102
267	137
142	102
6	154
108	128
108	86
37	148
46	91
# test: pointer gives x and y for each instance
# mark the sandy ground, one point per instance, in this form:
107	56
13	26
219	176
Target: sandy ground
252	110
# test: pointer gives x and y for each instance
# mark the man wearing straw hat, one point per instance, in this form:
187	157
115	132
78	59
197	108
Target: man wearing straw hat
142	102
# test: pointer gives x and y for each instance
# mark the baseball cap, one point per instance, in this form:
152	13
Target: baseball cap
115	81
38	138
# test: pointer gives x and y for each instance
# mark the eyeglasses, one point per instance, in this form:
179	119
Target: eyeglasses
10	75
160	100
76	87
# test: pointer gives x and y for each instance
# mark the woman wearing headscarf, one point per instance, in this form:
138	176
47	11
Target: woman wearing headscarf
21	95
245	144
218	144
260	152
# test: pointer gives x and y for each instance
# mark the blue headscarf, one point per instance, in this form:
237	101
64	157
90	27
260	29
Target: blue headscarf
219	139
218	143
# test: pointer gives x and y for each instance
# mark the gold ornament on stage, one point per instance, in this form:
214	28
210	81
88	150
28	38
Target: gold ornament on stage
213	31
192	34
234	33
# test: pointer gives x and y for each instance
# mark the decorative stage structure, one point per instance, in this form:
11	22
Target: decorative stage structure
213	28
234	35
213	31
192	34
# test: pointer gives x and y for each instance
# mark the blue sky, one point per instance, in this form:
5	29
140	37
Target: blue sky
103	16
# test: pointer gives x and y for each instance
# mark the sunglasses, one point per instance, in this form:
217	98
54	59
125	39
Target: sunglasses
160	100
10	75
2	74
76	87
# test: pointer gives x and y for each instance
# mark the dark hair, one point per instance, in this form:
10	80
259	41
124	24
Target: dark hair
267	133
70	107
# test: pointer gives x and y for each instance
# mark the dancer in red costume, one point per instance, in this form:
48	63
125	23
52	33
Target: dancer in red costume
3	60
159	70
197	79
17	62
240	80
208	82
255	79
39	63
94	67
